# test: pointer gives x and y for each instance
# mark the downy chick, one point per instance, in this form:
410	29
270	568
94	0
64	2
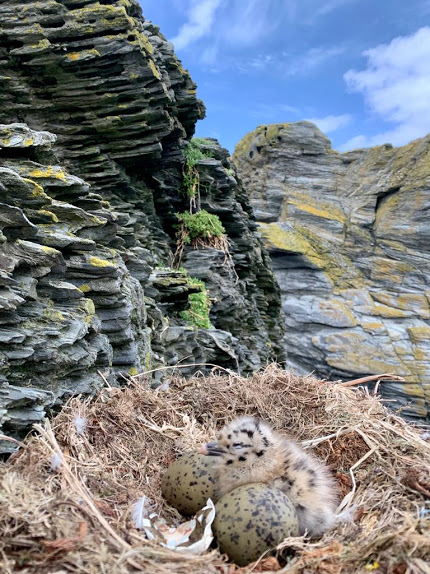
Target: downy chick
249	451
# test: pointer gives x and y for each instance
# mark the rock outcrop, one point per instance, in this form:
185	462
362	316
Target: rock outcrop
95	114
349	238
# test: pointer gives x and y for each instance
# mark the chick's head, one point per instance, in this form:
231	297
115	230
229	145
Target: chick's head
245	442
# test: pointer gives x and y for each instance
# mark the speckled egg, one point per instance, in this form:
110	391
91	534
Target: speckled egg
189	482
252	519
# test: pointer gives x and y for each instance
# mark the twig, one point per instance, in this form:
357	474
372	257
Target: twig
106	382
4	437
315	441
347	499
161	430
182	367
370	378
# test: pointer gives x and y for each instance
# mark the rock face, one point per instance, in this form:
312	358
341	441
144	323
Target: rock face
95	113
349	238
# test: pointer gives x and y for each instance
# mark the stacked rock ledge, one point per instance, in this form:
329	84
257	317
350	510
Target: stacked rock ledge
96	111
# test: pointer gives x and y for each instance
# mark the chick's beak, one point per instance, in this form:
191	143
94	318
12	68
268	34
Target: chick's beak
210	449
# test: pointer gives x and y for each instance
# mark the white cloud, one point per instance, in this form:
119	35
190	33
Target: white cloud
289	63
268	113
238	23
331	6
246	22
201	17
396	88
304	63
332	123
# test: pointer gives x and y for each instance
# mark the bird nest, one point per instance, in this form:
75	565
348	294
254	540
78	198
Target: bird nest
66	495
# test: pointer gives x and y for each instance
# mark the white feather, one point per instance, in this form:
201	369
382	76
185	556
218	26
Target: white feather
56	460
140	511
80	425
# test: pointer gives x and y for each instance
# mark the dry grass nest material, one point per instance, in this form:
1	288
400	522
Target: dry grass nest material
78	518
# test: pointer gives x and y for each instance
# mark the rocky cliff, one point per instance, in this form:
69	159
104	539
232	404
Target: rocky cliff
96	112
349	238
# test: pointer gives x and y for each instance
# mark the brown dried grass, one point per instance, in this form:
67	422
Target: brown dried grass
78	519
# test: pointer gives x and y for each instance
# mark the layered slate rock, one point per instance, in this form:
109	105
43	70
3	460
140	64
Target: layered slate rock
95	112
349	237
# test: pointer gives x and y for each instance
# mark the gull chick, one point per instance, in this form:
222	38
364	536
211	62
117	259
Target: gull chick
249	451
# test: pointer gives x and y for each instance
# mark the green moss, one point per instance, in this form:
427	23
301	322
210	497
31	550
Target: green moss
200	304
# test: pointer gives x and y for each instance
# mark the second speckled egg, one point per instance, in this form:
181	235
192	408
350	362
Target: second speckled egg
252	519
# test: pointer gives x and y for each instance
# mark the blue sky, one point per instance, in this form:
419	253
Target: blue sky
359	68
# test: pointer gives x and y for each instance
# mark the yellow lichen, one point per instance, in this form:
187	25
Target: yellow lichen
154	69
262	135
309	205
48	172
88	306
84	288
52	216
338	268
413	302
181	68
389	312
83	55
142	41
420	333
37	190
289	240
148	360
97	262
133	371
50	250
53	314
42	44
373	326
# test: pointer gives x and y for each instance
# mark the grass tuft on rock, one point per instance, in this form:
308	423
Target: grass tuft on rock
192	154
200	225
